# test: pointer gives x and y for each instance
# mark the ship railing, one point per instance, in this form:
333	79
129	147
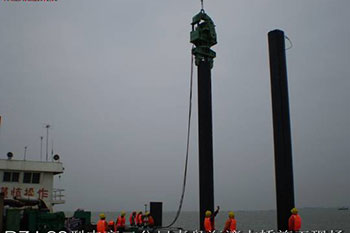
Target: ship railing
58	194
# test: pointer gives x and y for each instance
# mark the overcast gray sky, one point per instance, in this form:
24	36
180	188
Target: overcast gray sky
112	77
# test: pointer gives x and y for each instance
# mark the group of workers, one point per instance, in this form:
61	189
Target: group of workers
209	221
146	220
135	220
294	221
140	220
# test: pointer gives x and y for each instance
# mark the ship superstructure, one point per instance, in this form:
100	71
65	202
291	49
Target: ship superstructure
23	180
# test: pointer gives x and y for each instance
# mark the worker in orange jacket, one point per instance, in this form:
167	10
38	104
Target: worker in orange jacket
209	220
111	226
102	225
136	219
120	223
139	219
132	219
231	224
294	221
149	221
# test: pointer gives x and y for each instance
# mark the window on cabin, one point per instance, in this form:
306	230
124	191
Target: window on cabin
36	178
11	177
7	177
31	178
27	177
15	177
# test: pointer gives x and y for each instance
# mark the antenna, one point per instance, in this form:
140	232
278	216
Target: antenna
0	124
51	149
202	5
47	141
41	148
25	152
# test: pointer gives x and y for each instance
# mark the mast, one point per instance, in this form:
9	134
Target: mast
41	148
47	141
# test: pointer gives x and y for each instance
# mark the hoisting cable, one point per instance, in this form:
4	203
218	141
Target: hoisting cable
187	147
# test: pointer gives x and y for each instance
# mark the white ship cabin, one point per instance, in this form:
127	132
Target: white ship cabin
22	179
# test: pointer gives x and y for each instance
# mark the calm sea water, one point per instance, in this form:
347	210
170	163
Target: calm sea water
312	219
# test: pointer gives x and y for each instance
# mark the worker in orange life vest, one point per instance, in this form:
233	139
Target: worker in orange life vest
149	220
120	223
231	223
136	219
111	225
139	219
132	219
102	225
209	220
294	222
